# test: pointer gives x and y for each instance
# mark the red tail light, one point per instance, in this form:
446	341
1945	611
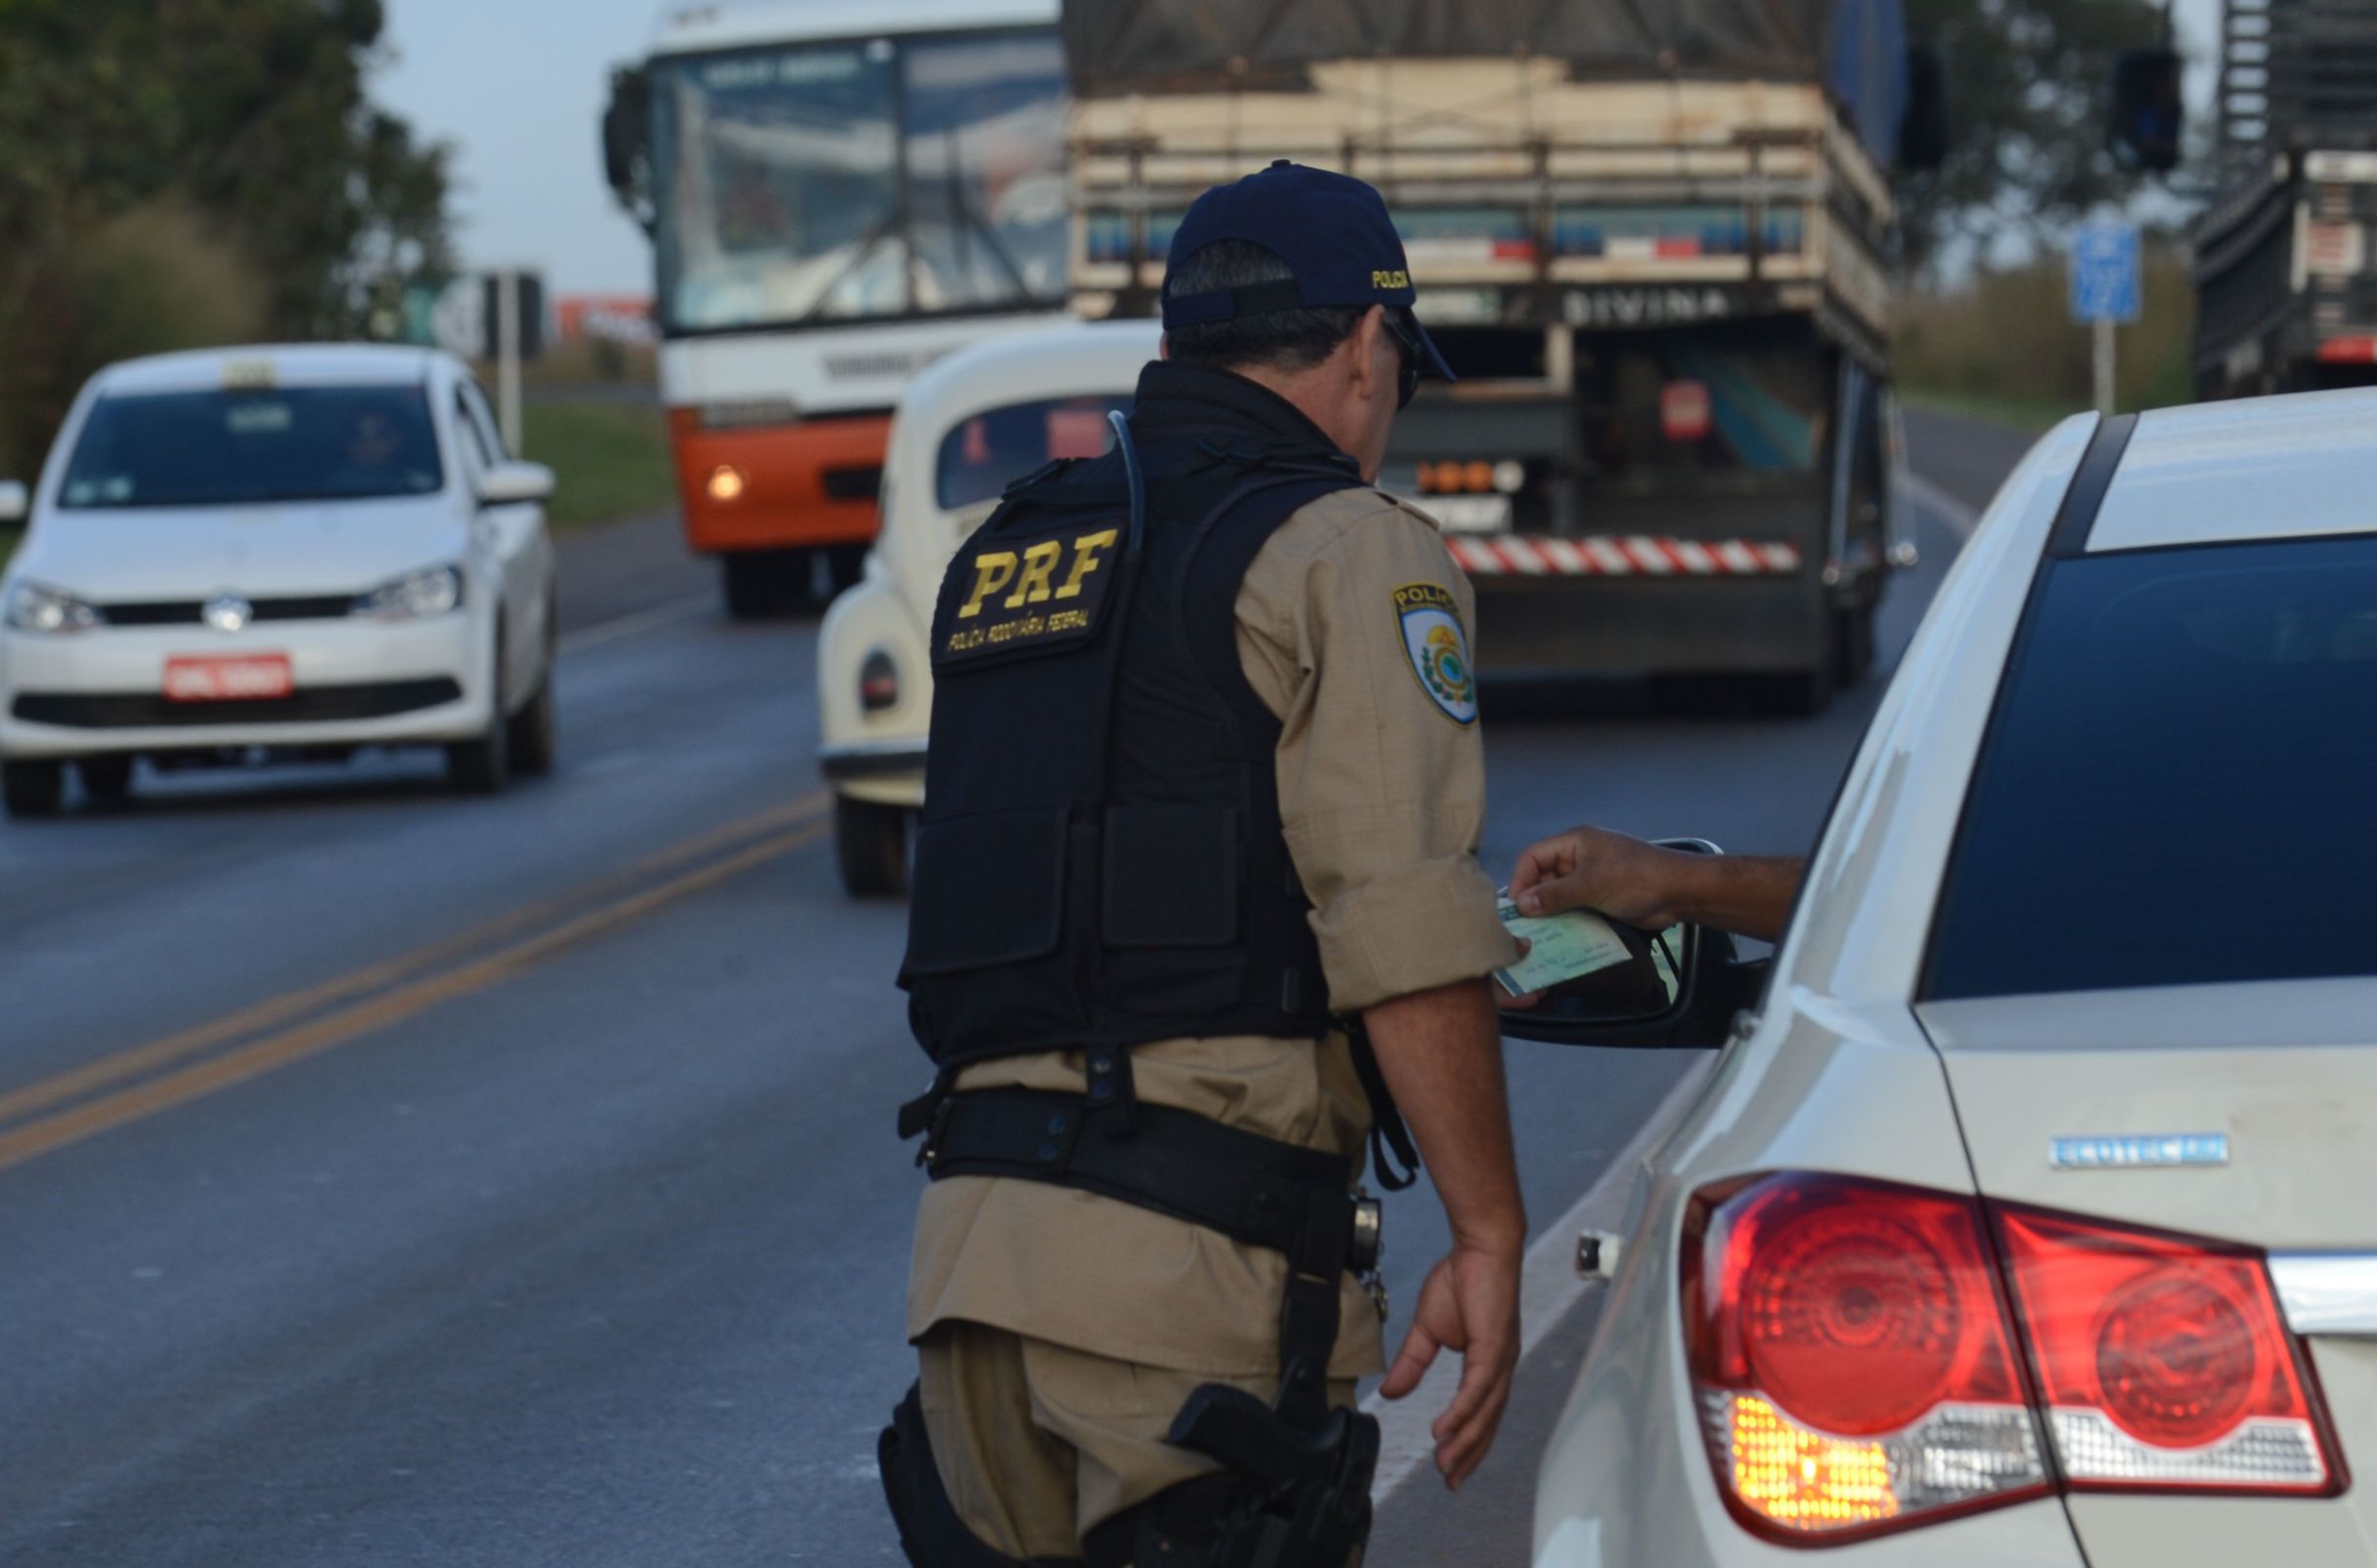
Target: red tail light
1854	1367
2164	1363
878	683
1858	1367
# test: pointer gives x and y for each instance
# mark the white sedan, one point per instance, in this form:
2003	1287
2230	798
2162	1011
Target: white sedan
966	428
2027	1218
275	552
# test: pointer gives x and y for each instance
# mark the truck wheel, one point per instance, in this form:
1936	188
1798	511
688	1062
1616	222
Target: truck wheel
871	842
33	788
762	584
1802	694
1852	645
845	564
106	779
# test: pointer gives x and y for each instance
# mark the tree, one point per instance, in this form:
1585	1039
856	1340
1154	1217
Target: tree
242	127
2027	83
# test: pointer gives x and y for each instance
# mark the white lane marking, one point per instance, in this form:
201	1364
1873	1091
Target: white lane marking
642	620
1960	518
1547	1288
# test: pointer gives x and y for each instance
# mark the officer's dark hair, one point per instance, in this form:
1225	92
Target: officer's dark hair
1277	340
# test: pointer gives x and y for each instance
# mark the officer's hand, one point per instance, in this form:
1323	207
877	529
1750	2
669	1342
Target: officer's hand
1469	1304
1593	868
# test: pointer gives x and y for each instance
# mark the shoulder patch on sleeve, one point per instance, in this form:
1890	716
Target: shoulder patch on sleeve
1438	648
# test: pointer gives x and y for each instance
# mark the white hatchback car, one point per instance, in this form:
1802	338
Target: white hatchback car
2027	1218
275	552
964	429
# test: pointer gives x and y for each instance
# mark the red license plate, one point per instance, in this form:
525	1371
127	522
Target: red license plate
252	677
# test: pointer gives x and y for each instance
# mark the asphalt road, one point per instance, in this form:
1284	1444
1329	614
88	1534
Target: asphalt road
387	1177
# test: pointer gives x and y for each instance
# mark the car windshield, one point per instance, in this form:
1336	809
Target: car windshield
226	448
866	179
2175	787
983	455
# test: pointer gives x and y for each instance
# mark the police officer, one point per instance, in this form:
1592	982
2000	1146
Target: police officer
1196	907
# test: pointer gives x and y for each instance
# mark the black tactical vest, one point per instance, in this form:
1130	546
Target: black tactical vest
1100	861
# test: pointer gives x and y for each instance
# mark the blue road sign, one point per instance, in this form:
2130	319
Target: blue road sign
2104	268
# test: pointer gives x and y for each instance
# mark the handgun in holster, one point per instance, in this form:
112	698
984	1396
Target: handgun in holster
1304	1500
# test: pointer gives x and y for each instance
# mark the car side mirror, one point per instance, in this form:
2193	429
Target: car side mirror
1683	993
15	502
513	484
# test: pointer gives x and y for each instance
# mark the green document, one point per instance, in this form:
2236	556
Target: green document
1562	947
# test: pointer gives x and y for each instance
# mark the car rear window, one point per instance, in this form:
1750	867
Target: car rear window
2179	785
235	447
983	456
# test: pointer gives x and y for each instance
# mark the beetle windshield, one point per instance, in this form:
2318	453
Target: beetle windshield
981	456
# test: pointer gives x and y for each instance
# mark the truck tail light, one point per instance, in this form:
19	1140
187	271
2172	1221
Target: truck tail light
1851	1358
1860	1367
2164	1363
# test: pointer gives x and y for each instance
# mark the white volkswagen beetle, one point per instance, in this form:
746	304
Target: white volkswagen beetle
2027	1218
964	429
270	552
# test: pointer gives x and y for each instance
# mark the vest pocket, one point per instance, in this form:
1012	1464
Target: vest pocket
1171	877
990	891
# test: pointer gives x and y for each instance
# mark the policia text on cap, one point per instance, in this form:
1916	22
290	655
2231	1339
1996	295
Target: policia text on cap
1202	802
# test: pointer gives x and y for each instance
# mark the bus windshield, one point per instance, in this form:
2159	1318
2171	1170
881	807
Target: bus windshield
866	179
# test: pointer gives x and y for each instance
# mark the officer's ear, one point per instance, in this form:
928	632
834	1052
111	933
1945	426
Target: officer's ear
1163	346
1373	370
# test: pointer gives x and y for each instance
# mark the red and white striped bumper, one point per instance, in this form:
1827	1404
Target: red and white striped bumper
1628	556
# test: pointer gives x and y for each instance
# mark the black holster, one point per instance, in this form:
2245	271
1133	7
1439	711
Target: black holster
1288	1496
932	1533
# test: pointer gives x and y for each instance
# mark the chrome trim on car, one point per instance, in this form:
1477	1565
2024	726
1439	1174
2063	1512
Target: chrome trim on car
2327	1292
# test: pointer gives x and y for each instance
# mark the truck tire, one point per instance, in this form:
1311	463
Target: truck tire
1800	694
107	780
845	564
871	844
35	787
1852	645
754	583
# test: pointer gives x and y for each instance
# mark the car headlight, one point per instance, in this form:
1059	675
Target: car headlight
414	596
34	607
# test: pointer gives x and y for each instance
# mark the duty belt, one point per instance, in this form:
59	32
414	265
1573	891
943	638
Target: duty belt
1251	1189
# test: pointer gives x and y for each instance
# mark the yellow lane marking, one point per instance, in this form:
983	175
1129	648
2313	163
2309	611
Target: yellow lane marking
273	1011
379	1012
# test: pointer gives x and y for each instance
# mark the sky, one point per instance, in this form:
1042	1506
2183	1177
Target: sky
521	100
519	87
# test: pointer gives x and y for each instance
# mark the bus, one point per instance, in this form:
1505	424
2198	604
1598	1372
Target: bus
837	196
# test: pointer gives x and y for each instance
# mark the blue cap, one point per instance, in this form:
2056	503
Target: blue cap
1331	230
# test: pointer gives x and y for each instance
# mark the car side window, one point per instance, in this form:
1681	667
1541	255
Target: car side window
473	439
483	420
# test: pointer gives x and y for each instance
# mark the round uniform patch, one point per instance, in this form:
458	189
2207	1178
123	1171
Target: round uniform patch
1439	650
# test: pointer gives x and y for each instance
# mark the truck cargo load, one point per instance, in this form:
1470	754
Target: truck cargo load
1655	243
2285	275
1858	47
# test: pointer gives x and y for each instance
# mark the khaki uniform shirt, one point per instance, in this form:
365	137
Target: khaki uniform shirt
1382	794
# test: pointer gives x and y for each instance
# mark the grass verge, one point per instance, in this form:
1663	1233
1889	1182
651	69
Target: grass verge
610	460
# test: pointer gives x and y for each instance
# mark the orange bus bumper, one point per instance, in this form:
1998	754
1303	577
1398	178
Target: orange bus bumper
779	486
